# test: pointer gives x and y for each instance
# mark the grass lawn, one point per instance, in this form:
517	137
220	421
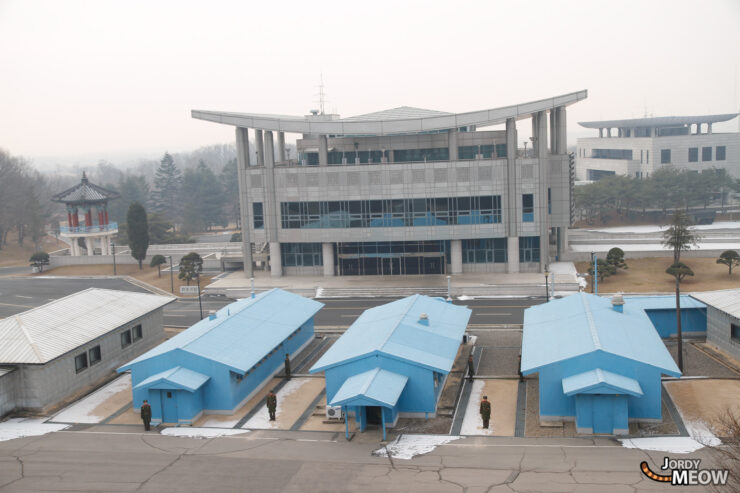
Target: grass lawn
146	274
14	254
647	275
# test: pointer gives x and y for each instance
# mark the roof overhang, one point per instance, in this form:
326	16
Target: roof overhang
600	381
309	125
659	121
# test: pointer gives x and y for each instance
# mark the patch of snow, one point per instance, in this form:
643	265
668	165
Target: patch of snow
676	445
261	420
650	247
408	446
80	411
219	423
472	423
568	268
493	297
582	283
200	432
700	432
472	340
654	228
27	427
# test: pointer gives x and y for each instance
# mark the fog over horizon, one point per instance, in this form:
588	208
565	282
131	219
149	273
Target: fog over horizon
89	81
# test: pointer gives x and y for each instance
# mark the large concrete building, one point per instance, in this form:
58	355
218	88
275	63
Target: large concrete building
405	191
639	147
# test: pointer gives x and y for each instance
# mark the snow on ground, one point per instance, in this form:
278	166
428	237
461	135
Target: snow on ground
466	297
80	411
200	432
700	437
408	446
214	422
472	423
26	427
654	228
261	420
582	283
650	247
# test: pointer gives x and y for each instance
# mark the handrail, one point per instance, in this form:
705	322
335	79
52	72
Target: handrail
95	228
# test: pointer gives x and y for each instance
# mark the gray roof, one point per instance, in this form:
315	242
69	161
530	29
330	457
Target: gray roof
41	334
85	192
659	121
5	371
403	120
727	300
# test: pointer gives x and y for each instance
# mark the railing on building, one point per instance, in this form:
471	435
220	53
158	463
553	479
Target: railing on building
96	228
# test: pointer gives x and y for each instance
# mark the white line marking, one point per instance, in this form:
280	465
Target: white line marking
21	296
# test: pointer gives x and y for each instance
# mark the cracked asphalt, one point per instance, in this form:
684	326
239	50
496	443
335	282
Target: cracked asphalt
109	458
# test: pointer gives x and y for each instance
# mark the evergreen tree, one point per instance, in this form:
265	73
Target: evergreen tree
615	257
191	266
730	258
679	236
203	197
230	182
157	262
167	184
138	231
132	188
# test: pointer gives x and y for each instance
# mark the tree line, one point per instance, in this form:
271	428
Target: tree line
666	189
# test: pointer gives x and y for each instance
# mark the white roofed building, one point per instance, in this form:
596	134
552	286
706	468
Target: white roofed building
51	353
723	319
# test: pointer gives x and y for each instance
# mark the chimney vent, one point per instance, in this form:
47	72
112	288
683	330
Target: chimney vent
424	319
618	302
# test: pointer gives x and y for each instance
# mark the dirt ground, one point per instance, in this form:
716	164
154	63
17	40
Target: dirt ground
315	422
502	394
14	254
646	275
705	400
146	274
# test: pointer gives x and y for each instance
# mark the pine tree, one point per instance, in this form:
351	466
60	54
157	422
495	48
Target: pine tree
167	184
138	231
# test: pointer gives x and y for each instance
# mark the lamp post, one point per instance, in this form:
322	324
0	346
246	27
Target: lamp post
251	282
449	294
172	281
200	305
547	285
595	285
113	249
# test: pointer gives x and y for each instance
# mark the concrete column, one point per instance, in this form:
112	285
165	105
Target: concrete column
456	257
108	245
260	147
269	150
512	254
323	150
89	244
511	182
608	132
554	131
276	264
562	131
242	158
327	250
709	128
271	205
452	143
281	146
541	136
73	247
601	133
104	245
543	163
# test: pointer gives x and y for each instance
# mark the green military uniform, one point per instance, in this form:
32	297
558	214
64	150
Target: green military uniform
485	411
471	368
271	405
146	415
287	367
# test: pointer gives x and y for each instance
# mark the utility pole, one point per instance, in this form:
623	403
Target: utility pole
113	248
172	281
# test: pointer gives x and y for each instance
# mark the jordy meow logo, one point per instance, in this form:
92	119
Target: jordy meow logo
685	472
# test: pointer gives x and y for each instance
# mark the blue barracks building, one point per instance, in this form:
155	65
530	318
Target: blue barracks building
218	364
394	360
600	362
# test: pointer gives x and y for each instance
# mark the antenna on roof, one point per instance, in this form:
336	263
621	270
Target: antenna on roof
322	96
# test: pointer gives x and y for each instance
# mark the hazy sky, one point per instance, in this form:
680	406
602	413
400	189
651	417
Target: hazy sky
92	79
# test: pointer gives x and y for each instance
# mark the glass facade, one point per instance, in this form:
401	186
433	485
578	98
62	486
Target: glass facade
611	153
529	249
388	213
665	156
720	153
392	258
417	155
486	151
693	154
528	208
482	251
706	153
259	216
301	254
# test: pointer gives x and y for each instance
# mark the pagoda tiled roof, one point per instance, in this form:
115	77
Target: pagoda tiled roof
85	192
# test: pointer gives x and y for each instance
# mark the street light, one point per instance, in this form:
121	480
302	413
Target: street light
547	286
200	305
172	281
113	248
595	285
449	297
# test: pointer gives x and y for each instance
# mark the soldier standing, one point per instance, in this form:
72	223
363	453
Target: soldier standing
471	368
485	411
271	404
146	414
287	366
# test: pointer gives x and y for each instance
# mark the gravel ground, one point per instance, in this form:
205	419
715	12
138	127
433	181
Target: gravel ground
499	352
697	363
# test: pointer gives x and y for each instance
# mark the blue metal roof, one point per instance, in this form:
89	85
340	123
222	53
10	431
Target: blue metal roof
584	323
600	381
175	378
394	329
377	386
244	332
663	302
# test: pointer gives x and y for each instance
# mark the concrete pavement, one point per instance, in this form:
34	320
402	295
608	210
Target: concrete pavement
110	458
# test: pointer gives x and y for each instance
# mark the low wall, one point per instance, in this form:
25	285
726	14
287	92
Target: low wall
586	256
121	259
9	383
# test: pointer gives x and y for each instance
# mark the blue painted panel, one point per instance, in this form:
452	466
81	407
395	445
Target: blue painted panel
603	413
168	398
692	320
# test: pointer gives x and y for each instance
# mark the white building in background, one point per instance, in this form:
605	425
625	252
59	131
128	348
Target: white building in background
639	147
405	191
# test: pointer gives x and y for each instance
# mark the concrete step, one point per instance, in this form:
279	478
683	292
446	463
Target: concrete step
376	292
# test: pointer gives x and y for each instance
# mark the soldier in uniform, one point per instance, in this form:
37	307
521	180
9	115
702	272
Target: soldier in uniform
471	368
287	367
271	404
146	414
485	411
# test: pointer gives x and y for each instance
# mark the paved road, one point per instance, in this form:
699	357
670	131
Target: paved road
115	459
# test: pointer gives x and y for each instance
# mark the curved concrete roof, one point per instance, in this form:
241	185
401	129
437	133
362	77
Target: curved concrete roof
659	121
385	124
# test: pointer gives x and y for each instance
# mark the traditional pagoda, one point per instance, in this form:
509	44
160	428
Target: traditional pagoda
96	230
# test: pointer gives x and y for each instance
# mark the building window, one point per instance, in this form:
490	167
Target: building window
259	217
125	338
693	154
484	251
301	254
549	200
735	332
528	207
647	157
529	249
706	153
598	174
80	362
611	154
665	156
94	355
137	332
720	153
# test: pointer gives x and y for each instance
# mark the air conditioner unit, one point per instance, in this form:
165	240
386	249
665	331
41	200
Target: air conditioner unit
334	412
